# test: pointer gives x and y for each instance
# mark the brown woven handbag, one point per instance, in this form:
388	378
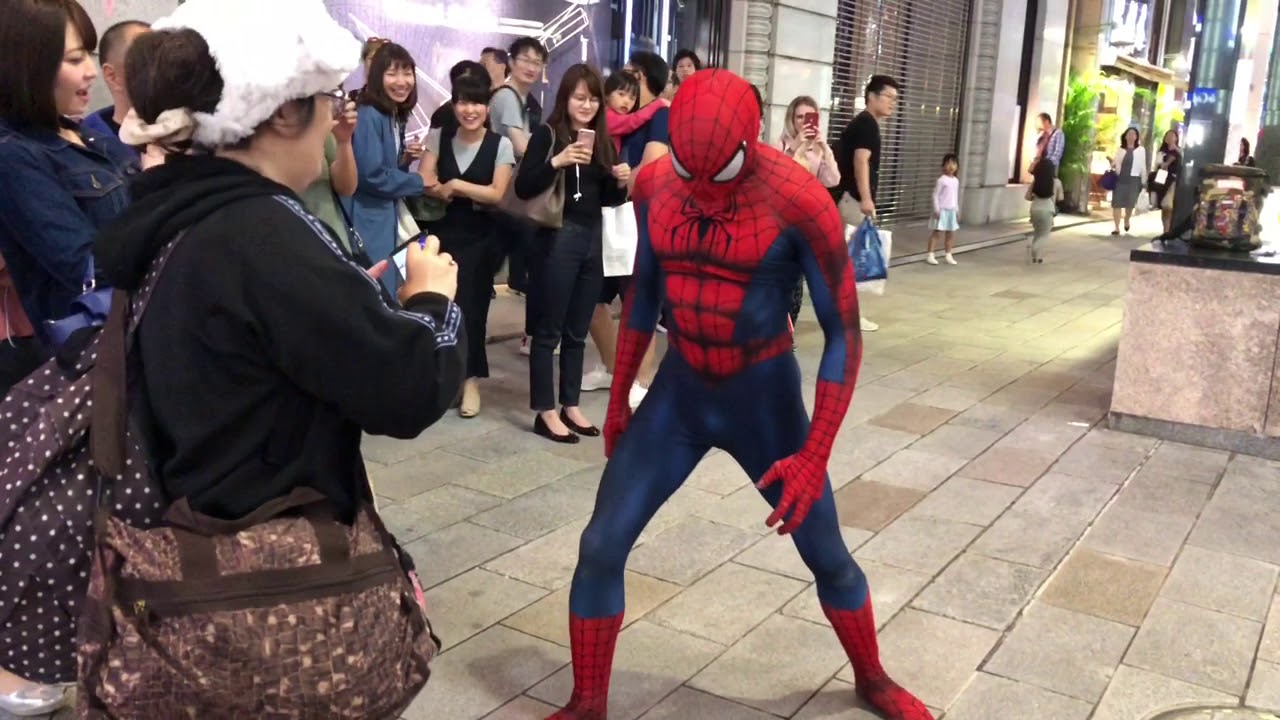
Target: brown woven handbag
284	613
546	209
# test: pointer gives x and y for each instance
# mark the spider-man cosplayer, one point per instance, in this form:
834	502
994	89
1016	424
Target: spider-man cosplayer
727	228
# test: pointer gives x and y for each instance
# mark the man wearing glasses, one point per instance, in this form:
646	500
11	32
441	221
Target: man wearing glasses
858	157
510	117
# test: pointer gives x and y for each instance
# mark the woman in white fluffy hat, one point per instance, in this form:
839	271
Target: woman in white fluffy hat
264	354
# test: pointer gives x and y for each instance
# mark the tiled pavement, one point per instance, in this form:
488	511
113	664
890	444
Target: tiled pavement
1026	563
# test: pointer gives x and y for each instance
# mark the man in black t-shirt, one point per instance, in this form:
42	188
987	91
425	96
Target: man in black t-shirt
858	157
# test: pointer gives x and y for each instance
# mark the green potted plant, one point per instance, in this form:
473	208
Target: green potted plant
1079	115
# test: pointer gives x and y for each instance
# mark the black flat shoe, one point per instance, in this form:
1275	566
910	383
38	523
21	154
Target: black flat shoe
1126	227
584	430
540	428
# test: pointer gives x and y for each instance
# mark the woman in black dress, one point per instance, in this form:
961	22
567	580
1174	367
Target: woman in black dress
468	166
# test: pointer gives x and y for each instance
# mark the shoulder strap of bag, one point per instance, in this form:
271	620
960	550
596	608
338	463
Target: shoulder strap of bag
109	378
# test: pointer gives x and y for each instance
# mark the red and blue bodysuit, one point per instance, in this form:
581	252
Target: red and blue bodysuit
727	227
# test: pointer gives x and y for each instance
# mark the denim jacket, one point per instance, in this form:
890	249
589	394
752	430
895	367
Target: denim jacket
54	195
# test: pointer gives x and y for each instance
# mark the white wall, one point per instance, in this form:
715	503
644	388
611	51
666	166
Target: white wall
990	127
785	47
145	10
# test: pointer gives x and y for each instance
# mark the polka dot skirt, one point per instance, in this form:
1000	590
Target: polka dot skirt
48	497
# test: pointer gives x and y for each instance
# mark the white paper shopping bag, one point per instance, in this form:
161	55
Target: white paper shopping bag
620	237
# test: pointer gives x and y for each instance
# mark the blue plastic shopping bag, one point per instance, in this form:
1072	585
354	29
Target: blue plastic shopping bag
868	255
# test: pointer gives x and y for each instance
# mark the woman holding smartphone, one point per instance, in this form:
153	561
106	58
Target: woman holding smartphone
802	140
469	167
567	268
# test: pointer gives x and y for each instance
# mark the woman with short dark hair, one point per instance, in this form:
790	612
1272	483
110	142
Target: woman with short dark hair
61	181
468	167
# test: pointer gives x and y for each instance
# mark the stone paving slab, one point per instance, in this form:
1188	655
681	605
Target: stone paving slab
1025	562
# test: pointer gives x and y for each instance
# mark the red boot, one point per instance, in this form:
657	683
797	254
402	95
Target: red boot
857	632
592	641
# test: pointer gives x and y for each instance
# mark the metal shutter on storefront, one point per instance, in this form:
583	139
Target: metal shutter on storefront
921	43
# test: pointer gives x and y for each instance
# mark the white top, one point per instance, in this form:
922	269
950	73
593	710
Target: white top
1139	168
946	194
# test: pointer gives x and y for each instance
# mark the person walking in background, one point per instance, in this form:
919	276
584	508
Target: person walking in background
111	53
566	267
61	180
1245	158
802	140
1165	177
382	155
1051	145
469	167
946	209
859	157
1130	165
1044	194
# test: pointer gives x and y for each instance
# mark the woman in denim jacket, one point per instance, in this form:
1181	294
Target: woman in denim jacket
382	155
60	182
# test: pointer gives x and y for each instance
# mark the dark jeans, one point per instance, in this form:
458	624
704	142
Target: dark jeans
477	257
18	359
566	273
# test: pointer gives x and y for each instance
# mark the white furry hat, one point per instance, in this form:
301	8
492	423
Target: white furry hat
268	52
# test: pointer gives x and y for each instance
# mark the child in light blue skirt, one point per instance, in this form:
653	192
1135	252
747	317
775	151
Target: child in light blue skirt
946	209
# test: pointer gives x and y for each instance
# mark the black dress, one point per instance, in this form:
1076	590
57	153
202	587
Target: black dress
467	233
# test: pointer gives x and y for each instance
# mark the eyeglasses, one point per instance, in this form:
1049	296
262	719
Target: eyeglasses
338	97
530	61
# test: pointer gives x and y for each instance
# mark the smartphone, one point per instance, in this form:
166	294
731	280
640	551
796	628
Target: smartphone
587	138
811	124
400	255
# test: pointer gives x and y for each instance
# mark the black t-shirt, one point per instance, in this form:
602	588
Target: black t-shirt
862	133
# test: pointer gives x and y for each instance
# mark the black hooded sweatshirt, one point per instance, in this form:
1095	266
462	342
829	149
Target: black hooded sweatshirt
264	352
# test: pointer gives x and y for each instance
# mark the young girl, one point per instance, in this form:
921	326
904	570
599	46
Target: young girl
622	92
946	203
1045	193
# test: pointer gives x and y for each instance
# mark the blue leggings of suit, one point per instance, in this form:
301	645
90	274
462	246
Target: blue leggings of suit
758	417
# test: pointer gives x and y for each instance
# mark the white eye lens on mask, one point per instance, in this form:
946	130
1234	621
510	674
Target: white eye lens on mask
732	169
675	164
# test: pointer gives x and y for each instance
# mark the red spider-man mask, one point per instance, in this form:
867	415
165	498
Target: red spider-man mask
714	125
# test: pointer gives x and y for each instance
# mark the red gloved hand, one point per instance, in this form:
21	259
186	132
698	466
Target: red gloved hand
615	423
803	480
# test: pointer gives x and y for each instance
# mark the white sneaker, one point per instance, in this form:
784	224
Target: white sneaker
951	259
636	396
867	325
597	379
931	259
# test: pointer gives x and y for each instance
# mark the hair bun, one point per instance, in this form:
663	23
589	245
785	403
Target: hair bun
171	70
